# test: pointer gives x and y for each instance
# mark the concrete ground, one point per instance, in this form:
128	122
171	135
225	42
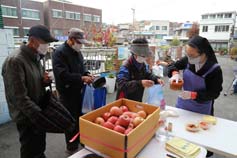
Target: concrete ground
225	107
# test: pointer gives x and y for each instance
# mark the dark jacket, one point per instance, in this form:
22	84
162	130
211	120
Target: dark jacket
68	68
129	80
213	80
23	79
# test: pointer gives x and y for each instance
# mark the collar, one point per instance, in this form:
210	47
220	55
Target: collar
70	48
137	64
31	53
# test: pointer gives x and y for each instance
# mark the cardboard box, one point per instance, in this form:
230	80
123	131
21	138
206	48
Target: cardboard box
112	143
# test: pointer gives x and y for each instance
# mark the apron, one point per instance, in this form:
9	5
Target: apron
193	82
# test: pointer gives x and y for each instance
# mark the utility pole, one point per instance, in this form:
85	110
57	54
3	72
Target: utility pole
133	29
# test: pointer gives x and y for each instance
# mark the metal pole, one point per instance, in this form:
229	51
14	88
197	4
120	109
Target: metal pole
133	12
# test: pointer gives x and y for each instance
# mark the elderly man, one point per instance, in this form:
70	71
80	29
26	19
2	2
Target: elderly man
24	87
134	75
70	75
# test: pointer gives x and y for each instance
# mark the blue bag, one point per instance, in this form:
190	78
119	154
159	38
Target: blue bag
88	99
156	96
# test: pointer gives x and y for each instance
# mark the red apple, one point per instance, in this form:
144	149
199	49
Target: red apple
116	111
124	108
131	114
137	120
131	124
119	129
142	114
124	120
106	115
108	125
99	120
113	119
127	131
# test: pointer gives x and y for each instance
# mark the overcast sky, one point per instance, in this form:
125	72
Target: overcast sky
119	11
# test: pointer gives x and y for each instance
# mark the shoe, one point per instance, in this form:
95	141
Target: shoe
209	154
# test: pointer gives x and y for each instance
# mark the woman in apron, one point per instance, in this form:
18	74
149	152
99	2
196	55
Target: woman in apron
202	76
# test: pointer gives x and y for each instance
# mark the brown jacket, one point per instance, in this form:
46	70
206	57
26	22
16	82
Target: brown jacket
23	79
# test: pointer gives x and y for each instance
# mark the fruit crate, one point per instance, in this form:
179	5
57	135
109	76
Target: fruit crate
112	143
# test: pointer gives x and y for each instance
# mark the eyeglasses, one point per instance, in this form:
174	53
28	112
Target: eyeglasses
77	41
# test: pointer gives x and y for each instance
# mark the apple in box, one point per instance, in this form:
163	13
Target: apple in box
100	121
106	115
124	108
123	120
116	111
113	119
108	125
119	129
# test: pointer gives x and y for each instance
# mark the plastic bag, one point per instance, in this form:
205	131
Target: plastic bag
88	99
158	70
156	96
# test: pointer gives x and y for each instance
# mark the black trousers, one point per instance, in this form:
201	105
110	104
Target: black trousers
73	104
33	142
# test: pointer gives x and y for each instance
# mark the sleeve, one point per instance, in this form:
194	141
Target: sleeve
178	65
61	70
124	82
213	82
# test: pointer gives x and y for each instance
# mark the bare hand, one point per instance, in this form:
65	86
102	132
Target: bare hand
161	82
47	79
87	79
147	83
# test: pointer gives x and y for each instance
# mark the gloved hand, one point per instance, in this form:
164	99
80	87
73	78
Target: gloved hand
175	77
188	95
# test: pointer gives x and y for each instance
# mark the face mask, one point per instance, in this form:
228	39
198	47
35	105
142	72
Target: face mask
194	60
76	47
141	59
42	49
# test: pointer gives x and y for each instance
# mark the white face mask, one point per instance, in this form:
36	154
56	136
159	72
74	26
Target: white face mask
140	59
76	47
194	60
42	49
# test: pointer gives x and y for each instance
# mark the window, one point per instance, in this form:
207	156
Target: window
58	32
220	16
69	15
157	27
14	29
222	28
96	18
204	17
57	13
212	16
8	11
164	27
228	15
26	30
77	16
205	29
87	17
30	14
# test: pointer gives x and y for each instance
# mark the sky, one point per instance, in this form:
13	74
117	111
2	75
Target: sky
119	11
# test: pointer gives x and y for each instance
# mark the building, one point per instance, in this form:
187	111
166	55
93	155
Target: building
218	28
59	16
179	31
20	15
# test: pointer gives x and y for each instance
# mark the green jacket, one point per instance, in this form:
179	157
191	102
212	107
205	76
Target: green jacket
23	79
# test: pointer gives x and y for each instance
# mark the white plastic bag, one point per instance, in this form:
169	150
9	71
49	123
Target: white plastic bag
156	96
88	99
157	70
